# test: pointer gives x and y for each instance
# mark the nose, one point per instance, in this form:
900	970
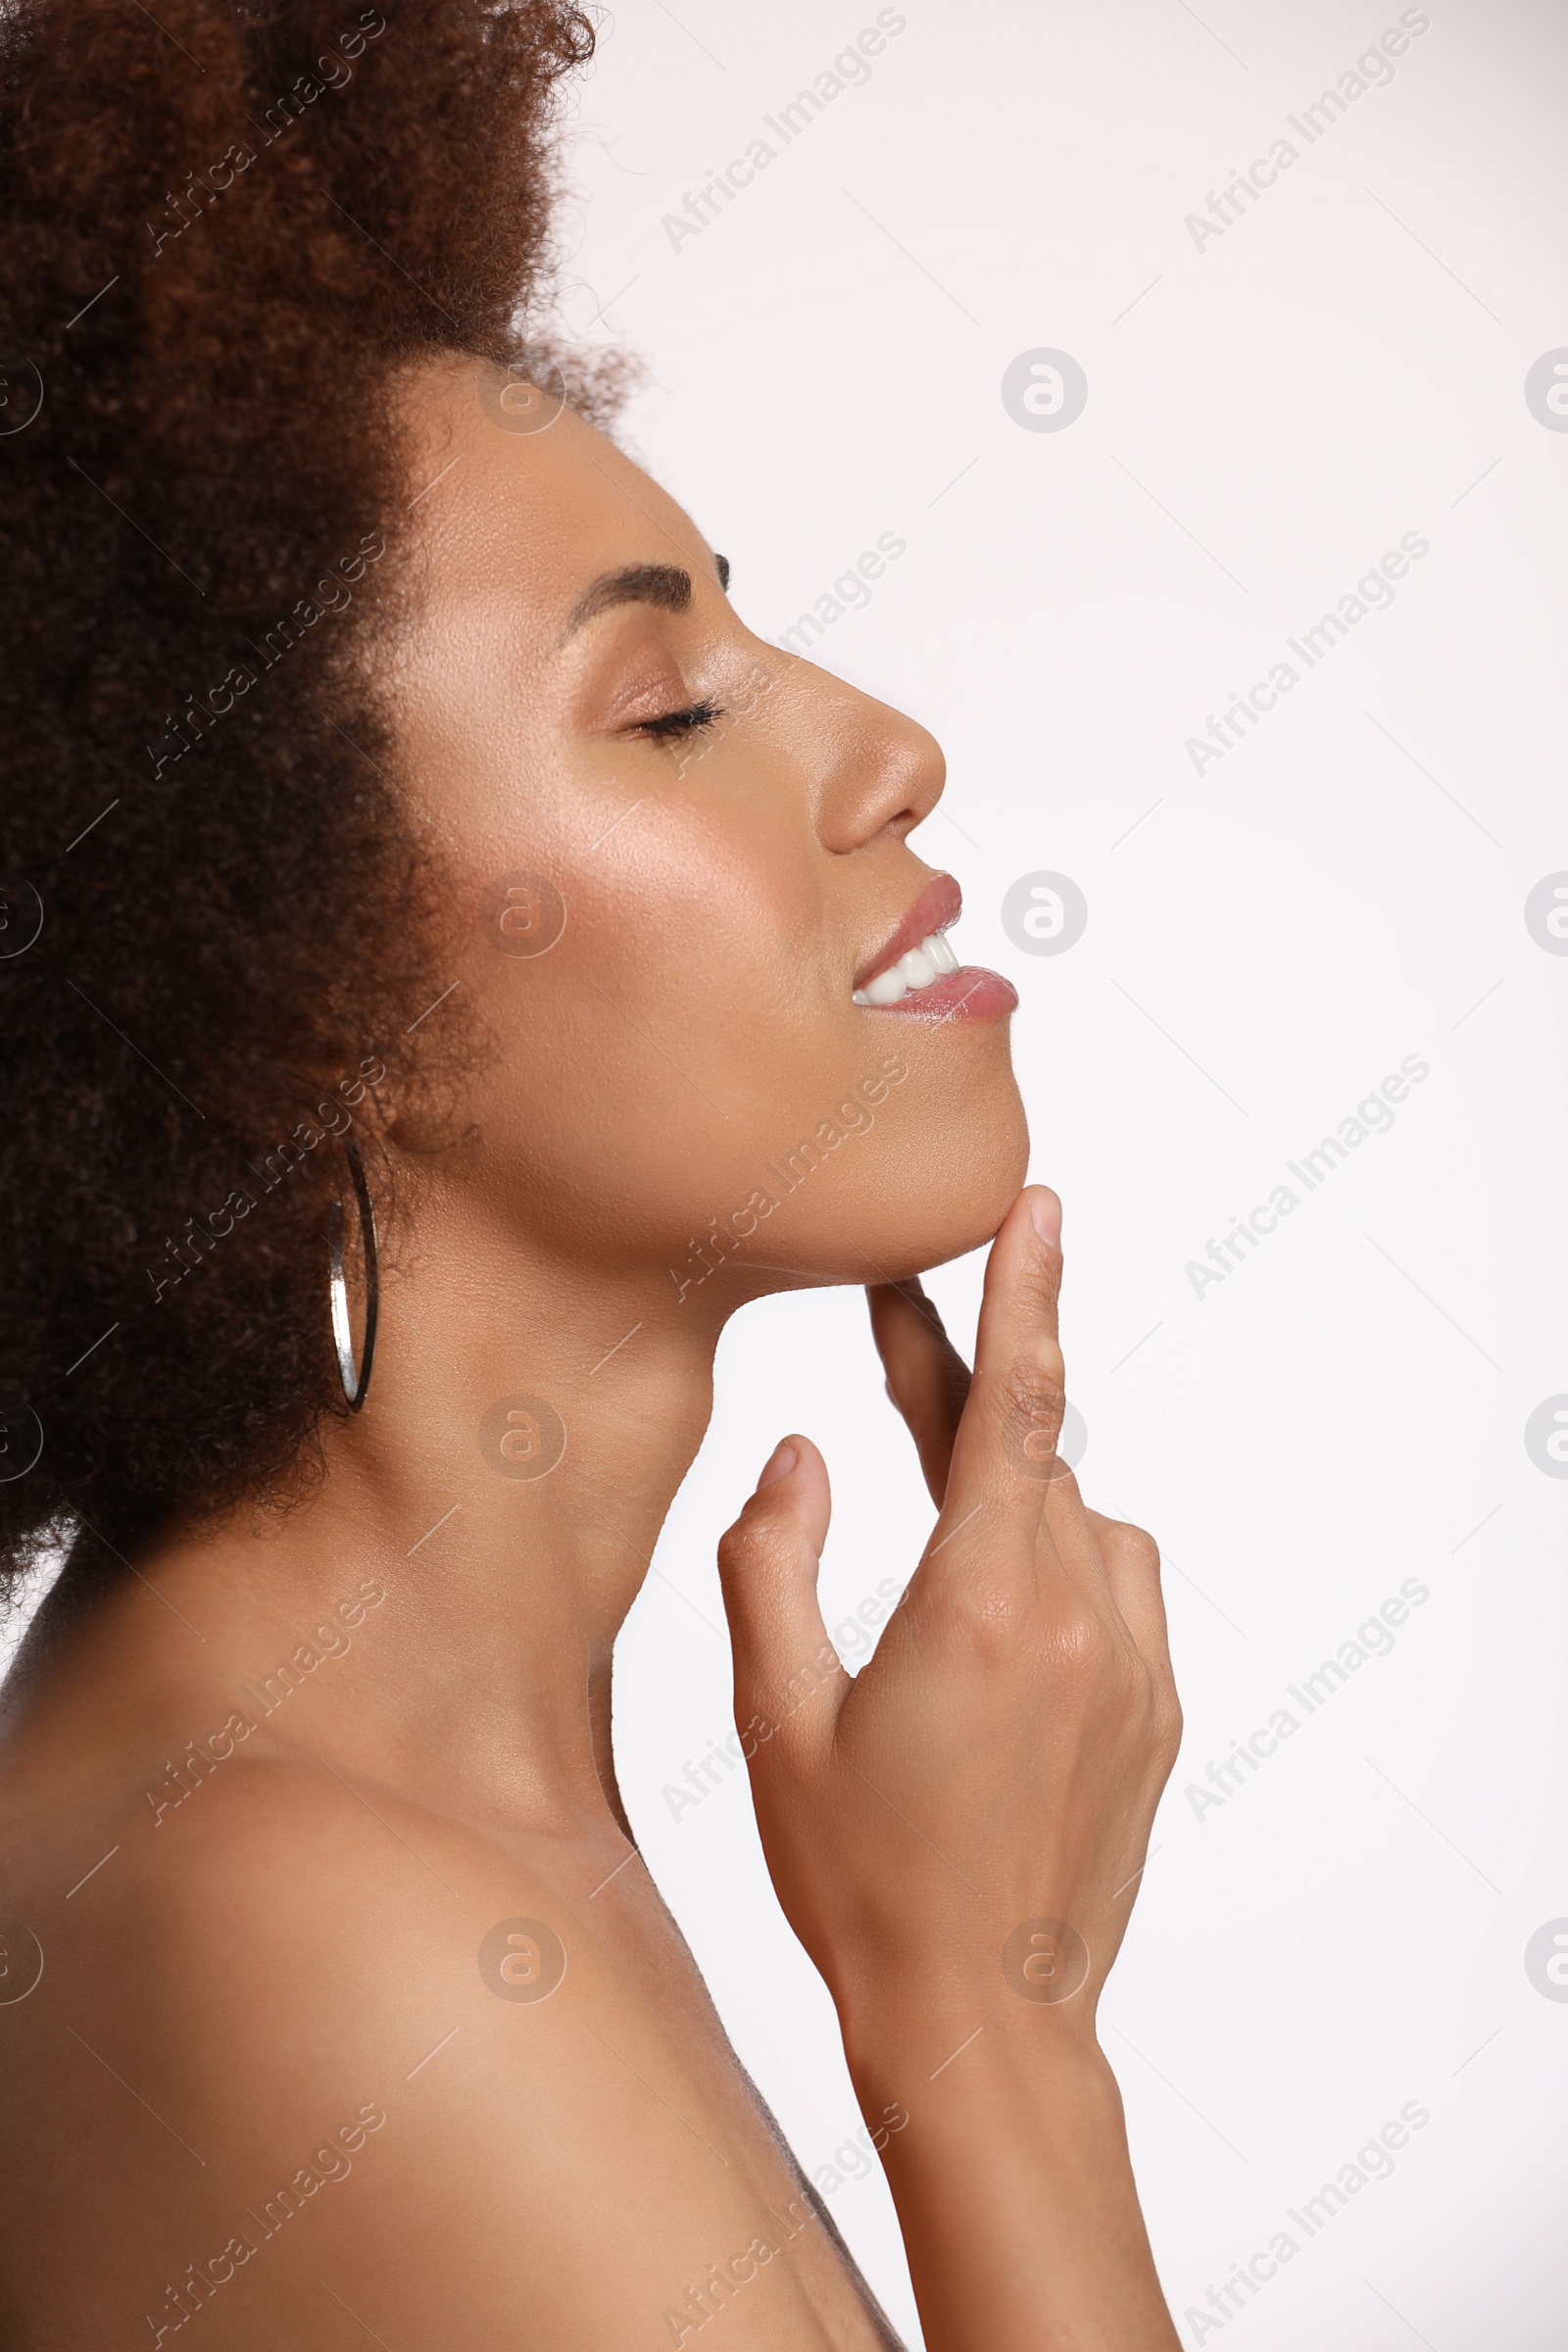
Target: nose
876	771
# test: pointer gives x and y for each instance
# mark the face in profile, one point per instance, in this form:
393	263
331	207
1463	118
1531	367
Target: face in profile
726	1033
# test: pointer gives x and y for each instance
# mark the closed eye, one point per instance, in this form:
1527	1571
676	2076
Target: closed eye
680	723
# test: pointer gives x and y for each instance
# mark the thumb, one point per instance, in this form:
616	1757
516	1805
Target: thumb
787	1672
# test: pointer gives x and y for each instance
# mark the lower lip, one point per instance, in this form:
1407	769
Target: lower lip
970	994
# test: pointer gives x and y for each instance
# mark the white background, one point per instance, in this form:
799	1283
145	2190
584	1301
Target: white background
1266	941
1267	414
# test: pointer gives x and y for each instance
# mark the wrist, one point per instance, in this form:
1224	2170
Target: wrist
1043	2012
940	2053
1004	2147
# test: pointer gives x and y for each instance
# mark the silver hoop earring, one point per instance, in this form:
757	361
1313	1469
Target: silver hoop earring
355	1383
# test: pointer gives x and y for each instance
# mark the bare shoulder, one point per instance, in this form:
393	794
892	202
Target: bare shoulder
315	2038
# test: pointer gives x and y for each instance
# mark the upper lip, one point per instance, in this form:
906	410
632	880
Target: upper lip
939	904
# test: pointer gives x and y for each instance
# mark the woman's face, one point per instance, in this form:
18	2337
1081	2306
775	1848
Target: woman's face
678	852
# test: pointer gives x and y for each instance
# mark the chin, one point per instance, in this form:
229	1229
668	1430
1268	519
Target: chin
933	1193
963	1204
957	1174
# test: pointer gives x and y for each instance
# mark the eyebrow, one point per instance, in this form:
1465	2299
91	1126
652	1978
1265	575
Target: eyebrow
668	585
663	584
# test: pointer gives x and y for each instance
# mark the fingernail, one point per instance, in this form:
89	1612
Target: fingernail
1046	1210
780	1463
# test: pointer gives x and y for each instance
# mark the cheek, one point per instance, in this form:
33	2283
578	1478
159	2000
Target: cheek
663	1007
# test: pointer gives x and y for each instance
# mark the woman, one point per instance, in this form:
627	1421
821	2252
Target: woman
444	950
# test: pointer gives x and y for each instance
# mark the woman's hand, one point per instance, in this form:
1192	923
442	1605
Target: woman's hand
1000	1759
957	1834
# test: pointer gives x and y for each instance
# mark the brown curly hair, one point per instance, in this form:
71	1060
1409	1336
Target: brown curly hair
223	232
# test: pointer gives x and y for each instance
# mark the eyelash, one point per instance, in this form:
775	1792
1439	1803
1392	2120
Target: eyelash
681	722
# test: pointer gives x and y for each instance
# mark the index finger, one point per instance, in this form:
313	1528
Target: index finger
927	1378
1006	1444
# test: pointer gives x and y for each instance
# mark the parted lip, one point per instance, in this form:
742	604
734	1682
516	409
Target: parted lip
938	905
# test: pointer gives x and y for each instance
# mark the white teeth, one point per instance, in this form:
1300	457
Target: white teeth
916	968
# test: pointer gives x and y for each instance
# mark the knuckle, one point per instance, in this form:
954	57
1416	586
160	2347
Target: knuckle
1042	1365
1099	1668
1038	1282
1133	1548
987	1617
1168	1726
750	1543
1035	1394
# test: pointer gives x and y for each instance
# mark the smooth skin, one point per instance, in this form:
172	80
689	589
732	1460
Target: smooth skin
268	2087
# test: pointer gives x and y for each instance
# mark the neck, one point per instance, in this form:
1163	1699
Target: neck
525	1428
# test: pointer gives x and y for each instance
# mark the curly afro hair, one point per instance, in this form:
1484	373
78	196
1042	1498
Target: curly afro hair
223	232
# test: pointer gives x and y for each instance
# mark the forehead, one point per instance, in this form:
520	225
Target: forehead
520	496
